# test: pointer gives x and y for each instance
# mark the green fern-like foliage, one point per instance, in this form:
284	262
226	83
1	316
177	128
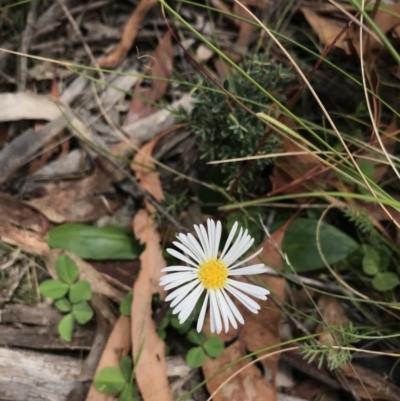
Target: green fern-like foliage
230	131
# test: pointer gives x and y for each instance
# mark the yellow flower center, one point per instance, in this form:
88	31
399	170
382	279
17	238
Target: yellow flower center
213	274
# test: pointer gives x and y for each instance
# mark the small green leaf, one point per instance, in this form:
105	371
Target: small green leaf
82	312
125	364
300	245
129	393
385	281
66	327
126	304
109	381
63	305
98	243
80	291
195	337
162	333
66	269
195	357
182	328
55	289
214	346
165	321
370	261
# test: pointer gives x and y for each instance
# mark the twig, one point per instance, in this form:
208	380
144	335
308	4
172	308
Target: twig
25	43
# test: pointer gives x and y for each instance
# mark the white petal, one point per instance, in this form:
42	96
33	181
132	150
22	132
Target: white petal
234	247
233	307
179	269
255	269
169	278
178	282
225	311
247	259
191	303
191	242
202	240
211	236
202	315
244	299
180	293
187	301
212	317
217	239
217	316
230	238
206	241
181	257
238	250
254	290
186	250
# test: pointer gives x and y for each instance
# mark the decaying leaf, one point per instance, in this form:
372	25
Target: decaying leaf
128	35
160	65
145	171
248	385
148	348
118	345
80	200
328	29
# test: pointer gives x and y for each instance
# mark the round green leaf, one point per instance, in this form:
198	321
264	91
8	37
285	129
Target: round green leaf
82	312
126	304
195	357
214	346
129	393
109	381
195	337
385	281
98	243
125	364
63	305
66	269
66	327
165	321
162	333
53	288
370	261
80	291
300	245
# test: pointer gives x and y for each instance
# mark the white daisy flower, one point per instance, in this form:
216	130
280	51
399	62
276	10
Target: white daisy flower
208	272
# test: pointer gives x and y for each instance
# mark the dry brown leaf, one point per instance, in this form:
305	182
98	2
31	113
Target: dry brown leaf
86	272
128	35
144	168
28	241
262	330
160	65
386	21
118	345
327	29
248	385
78	200
148	348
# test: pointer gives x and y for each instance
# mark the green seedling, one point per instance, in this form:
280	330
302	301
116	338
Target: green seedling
70	295
118	381
212	346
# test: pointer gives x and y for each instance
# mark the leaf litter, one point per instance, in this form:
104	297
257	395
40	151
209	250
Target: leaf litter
95	193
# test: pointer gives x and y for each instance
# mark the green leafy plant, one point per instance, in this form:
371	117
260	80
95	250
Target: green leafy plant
97	243
70	295
227	129
126	304
118	381
212	346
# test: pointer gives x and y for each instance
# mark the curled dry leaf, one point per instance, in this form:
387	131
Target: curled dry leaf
128	35
22	226
118	345
160	65
328	29
148	348
248	385
79	201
